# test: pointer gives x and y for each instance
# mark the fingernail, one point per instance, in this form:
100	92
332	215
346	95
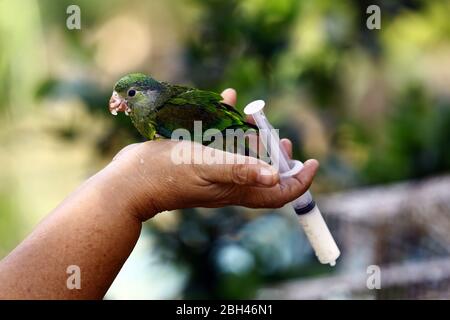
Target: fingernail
266	176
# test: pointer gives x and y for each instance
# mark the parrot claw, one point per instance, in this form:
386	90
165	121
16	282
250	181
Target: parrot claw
114	112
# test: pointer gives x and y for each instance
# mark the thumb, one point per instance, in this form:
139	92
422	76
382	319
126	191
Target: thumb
250	174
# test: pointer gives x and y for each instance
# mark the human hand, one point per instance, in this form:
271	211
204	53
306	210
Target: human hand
150	182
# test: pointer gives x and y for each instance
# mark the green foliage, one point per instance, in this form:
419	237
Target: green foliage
237	44
416	139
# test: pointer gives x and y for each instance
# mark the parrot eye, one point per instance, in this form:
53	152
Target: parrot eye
131	93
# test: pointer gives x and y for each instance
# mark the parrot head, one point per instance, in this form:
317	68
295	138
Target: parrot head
135	92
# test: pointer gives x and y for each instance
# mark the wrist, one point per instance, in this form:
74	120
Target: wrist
123	188
126	182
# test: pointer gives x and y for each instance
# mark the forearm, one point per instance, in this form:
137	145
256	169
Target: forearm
92	229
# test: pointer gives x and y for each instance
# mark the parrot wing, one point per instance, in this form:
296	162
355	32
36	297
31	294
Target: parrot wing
204	98
189	105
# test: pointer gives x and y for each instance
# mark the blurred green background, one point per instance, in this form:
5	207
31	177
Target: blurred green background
373	106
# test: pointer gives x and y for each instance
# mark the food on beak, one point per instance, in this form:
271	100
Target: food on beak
118	104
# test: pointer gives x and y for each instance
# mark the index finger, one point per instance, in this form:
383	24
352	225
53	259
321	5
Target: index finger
286	191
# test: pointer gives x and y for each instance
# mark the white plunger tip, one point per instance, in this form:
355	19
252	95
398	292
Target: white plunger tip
254	107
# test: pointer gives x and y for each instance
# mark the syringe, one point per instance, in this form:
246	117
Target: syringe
306	209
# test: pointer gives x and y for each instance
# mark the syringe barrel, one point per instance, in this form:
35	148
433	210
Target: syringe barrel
271	141
319	236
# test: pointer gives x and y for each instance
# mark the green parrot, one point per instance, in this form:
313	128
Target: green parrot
159	108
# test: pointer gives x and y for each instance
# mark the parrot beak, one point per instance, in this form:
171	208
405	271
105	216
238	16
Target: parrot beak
118	104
